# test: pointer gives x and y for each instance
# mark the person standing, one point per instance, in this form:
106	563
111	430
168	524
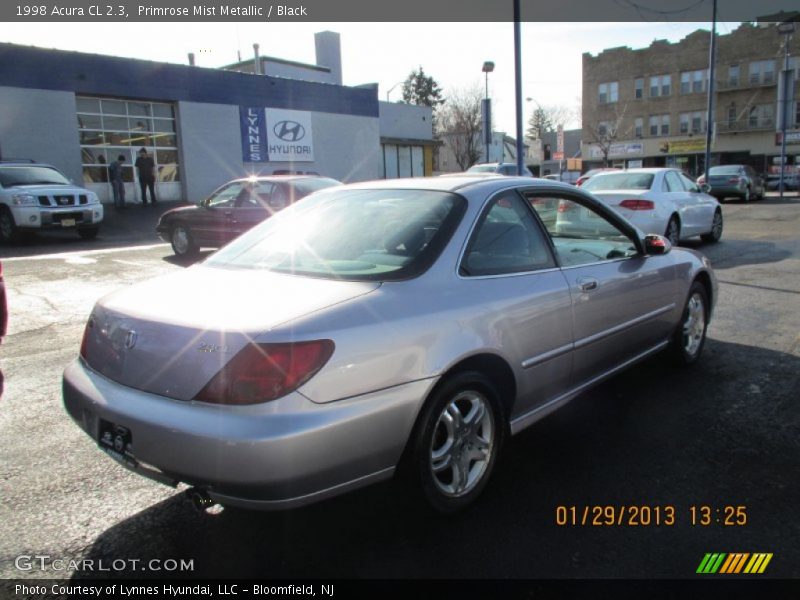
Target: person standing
117	183
147	175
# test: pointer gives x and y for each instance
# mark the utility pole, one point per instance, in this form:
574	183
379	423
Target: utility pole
710	112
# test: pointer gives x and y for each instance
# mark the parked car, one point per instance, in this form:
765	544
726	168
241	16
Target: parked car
403	323
790	181
741	181
591	173
509	169
36	197
232	209
566	177
656	200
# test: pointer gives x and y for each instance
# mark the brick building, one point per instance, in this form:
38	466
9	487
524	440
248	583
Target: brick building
648	107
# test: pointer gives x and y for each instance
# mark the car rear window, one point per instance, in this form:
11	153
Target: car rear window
727	170
620	181
355	235
33	175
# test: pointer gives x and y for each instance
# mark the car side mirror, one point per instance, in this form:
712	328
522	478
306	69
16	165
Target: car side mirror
655	244
705	188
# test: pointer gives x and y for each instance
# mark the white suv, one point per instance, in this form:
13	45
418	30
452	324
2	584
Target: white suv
35	196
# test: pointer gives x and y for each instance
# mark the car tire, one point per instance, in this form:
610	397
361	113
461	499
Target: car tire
690	334
9	232
715	234
89	233
183	244
456	441
673	230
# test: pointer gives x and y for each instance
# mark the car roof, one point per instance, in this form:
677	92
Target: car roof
15	163
278	178
460	182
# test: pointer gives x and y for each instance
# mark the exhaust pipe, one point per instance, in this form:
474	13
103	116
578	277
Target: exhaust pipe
202	502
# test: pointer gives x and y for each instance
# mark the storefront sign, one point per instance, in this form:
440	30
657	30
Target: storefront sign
792	137
289	137
276	135
684	146
254	134
626	149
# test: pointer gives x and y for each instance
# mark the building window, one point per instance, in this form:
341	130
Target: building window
638	85
797	114
684	120
698	122
653	122
731	114
638	127
694	82
762	72
666	85
604	129
664	124
761	116
608	92
733	75
108	128
655	86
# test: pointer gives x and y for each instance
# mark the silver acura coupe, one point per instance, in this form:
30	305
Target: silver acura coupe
396	325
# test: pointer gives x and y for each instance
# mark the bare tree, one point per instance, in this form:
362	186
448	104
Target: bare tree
546	119
605	133
460	124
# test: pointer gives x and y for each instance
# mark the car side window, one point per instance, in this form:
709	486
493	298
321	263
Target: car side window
690	185
580	234
507	240
226	196
673	182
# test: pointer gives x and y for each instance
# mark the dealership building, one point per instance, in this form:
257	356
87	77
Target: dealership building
204	126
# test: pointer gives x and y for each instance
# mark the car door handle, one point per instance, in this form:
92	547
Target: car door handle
587	284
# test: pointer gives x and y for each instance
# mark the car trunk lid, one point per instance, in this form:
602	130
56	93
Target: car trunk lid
171	335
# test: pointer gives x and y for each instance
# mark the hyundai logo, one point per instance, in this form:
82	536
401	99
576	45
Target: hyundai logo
130	339
289	131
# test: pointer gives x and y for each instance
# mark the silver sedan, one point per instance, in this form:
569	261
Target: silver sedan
406	324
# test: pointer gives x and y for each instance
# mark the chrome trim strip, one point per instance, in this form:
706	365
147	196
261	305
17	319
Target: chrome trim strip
532	416
549	355
623	326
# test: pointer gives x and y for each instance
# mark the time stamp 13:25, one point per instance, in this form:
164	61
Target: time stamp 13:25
608	515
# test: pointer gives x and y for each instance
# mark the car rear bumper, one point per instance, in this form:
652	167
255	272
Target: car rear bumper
279	454
721	191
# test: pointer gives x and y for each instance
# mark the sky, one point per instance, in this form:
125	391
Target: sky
383	53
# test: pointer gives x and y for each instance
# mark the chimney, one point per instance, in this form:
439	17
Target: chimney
191	59
329	53
257	60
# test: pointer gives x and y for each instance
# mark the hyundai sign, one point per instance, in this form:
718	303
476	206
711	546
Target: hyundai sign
276	135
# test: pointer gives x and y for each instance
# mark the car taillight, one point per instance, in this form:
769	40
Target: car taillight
733	180
638	204
581	181
264	372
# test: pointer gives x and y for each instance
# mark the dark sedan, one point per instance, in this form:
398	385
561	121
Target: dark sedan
741	181
233	209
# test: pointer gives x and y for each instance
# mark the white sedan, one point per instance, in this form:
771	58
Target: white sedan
659	200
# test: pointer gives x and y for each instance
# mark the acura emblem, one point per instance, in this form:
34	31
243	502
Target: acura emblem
289	131
130	339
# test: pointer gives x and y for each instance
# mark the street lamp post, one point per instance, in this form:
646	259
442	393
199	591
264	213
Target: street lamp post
488	67
786	28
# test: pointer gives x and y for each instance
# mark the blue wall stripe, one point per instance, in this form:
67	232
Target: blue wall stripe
98	75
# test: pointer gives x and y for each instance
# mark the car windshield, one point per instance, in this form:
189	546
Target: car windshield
482	169
728	170
357	235
620	181
33	175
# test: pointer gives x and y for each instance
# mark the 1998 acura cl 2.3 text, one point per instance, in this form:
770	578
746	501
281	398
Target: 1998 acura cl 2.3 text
412	323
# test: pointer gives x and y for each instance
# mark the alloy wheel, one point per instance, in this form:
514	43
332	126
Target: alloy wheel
462	444
694	326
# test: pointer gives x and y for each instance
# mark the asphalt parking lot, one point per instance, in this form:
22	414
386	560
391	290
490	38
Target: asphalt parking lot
721	434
